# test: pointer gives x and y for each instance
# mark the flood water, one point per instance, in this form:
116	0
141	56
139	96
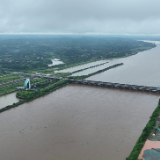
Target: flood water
91	70
72	69
76	123
55	62
140	69
8	99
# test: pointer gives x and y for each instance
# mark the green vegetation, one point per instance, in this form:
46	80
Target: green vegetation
100	71
37	80
39	86
89	67
44	82
75	64
62	74
103	70
145	134
34	53
33	94
45	87
12	87
144	48
9	77
12	106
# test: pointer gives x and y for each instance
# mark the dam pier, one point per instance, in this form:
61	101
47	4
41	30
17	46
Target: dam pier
117	85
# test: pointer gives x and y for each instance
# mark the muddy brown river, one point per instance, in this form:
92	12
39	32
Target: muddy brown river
140	69
76	123
8	99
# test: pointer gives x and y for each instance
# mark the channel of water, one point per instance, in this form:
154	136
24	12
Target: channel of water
8	99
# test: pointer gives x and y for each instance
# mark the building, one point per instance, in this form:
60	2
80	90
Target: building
27	84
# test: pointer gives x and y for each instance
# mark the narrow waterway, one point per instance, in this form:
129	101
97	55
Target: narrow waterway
8	99
76	123
91	70
72	69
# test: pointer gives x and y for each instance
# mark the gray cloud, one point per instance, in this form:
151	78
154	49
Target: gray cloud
80	16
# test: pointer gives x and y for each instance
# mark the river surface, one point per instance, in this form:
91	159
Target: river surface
91	70
72	69
8	100
140	69
76	123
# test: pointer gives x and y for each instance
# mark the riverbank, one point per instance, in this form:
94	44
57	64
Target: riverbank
11	87
8	99
145	134
8	92
100	59
89	67
79	64
131	54
83	117
151	148
33	95
97	72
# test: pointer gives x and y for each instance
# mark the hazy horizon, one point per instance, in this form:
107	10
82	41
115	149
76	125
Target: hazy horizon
98	17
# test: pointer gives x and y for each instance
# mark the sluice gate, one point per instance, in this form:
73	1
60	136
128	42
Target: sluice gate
117	85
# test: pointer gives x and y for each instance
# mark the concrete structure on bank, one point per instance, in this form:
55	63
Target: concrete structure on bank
27	84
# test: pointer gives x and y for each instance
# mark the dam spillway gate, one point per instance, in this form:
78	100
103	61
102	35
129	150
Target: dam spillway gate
117	85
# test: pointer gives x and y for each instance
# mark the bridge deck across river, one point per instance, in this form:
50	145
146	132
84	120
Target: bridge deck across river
110	84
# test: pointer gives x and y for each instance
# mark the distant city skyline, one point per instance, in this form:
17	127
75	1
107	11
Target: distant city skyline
116	17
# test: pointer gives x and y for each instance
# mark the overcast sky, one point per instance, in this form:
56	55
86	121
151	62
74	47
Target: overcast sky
80	16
